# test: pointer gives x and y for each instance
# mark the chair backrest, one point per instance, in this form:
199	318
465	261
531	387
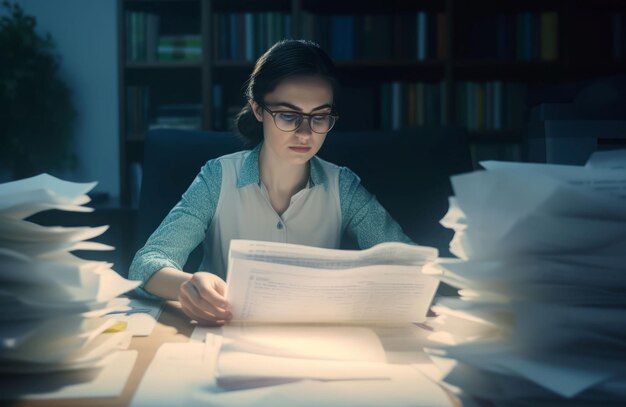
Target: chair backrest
408	171
172	158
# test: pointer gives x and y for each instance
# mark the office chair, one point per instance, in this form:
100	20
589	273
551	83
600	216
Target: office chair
408	171
172	159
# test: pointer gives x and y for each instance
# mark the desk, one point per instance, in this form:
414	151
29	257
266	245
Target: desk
173	326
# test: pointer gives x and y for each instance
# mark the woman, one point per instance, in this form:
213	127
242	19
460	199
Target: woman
279	191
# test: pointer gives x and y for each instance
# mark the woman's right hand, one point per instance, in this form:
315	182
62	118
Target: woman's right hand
202	298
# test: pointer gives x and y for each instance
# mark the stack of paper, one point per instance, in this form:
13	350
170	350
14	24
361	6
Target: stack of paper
53	304
542	273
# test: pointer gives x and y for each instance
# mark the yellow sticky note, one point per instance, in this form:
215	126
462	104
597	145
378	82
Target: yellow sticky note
117	327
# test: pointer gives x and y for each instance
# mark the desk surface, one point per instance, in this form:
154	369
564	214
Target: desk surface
173	326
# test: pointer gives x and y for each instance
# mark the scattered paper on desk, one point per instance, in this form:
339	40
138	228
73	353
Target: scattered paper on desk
242	367
63	190
106	381
610	159
542	276
182	374
283	352
324	342
138	323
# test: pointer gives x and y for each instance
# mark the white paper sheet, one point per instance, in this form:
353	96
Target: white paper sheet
389	253
583	270
39	250
268	292
18	268
323	342
566	375
12	310
40	333
237	367
68	350
21	232
101	285
107	381
181	374
24	210
67	189
599	179
263	352
611	159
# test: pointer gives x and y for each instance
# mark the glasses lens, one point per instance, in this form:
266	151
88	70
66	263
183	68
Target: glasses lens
322	123
287	121
290	121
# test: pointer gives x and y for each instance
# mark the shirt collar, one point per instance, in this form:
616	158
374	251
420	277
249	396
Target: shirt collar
318	176
250	170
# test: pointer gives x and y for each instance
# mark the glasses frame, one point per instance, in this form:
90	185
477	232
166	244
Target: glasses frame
307	116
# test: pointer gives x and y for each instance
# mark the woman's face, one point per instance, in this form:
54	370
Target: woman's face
301	94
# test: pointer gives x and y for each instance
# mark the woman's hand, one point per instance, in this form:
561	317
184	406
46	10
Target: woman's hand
202	298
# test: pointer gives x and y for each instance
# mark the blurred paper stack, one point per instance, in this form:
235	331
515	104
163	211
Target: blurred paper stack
542	278
53	303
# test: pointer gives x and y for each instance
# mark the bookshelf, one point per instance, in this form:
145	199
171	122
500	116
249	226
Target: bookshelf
183	62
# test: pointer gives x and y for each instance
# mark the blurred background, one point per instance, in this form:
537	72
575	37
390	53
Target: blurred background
82	81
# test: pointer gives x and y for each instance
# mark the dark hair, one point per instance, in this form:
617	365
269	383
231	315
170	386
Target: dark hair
284	59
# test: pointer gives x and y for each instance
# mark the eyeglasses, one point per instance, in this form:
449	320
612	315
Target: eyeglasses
288	120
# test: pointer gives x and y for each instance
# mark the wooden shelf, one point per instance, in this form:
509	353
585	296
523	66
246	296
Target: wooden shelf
396	63
581	56
370	6
163	65
384	63
520	71
245	6
224	63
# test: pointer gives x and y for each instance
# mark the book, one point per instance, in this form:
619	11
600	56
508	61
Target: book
179	47
142	30
342	37
178	116
549	36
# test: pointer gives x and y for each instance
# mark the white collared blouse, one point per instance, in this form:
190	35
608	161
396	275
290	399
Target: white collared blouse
227	200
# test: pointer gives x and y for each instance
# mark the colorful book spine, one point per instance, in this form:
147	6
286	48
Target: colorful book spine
142	31
218	107
245	36
492	105
342	37
549	36
137	111
409	105
179	47
421	32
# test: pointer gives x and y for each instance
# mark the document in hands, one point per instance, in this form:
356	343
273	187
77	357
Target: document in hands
307	330
286	283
